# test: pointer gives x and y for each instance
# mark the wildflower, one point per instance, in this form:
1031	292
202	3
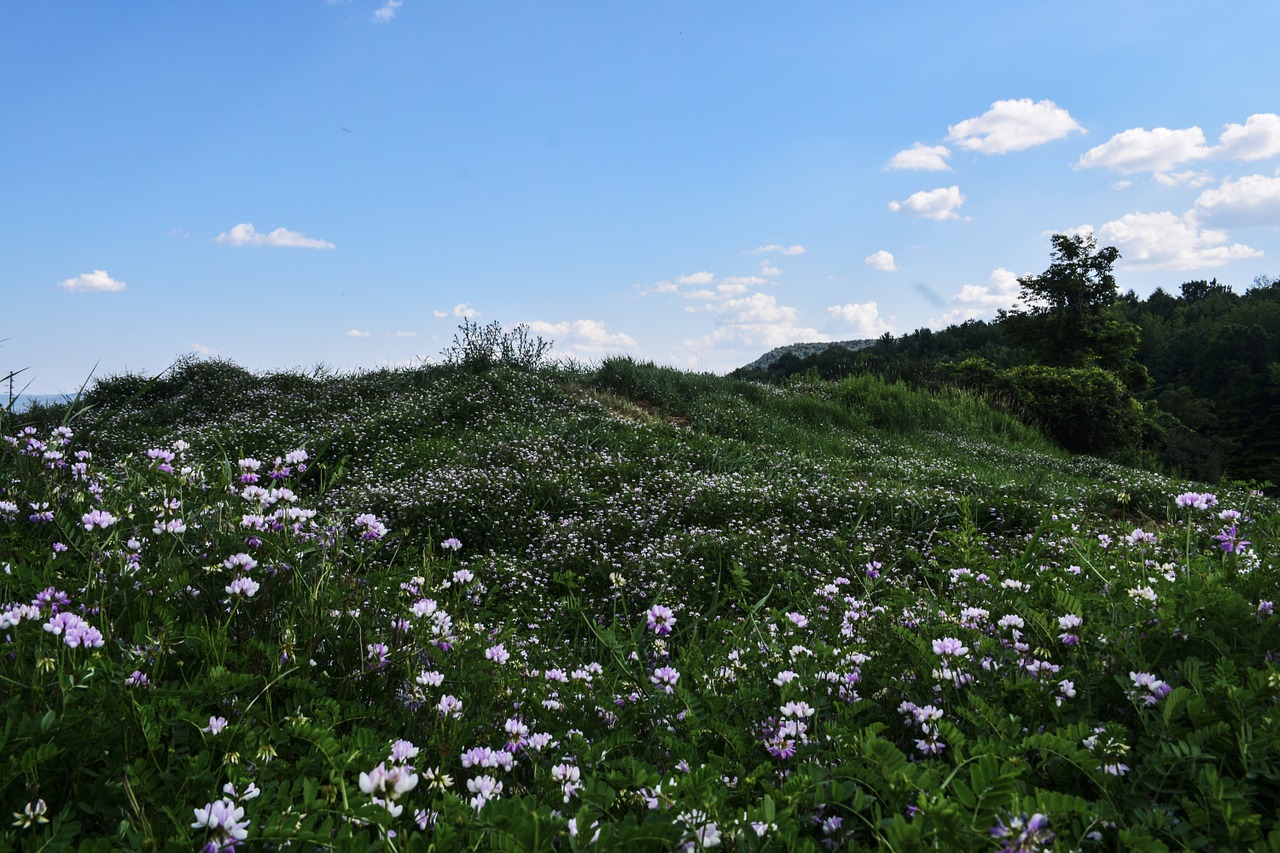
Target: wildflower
1023	834
463	576
74	630
138	679
227	820
785	677
242	562
98	518
498	654
1066	690
661	618
705	832
950	646
1144	593
373	528
1068	624
249	471
450	706
388	783
402	751
242	587
216	724
797	709
378	654
250	791
451	544
436	780
1230	541
31	815
429	678
1104	541
1196	500
1147	688
1140	537
665	678
485	788
1266	608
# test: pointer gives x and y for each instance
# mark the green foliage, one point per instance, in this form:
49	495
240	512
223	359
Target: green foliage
812	541
481	348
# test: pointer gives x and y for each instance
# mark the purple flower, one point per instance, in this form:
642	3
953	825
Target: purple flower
1023	834
451	544
661	618
98	518
226	820
665	678
950	646
1196	500
373	528
1230	541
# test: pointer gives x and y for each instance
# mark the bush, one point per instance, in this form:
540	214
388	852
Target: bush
481	348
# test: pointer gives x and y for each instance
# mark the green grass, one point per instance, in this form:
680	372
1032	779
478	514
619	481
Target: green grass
834	531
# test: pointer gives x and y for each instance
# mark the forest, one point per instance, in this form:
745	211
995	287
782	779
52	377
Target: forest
1186	383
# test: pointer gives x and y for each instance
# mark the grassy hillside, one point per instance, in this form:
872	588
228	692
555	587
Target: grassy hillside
490	606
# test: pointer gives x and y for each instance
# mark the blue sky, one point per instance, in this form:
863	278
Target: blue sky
292	183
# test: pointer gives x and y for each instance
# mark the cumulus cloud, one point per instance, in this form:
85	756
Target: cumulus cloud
462	309
774	247
922	158
92	282
931	204
1142	150
756	320
1014	125
1257	139
584	337
387	11
696	278
1251	200
245	234
862	319
767	268
203	350
882	260
356	333
1165	241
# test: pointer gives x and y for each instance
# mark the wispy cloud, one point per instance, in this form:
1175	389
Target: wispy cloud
92	282
245	234
1014	125
774	247
356	333
938	204
387	11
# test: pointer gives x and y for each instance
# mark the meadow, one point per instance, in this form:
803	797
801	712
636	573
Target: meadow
503	603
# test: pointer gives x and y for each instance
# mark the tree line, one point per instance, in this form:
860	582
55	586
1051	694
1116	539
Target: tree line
1188	383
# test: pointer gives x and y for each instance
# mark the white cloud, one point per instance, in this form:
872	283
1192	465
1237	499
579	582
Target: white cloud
767	268
882	261
1256	139
584	337
439	315
774	247
1164	241
203	350
92	282
400	334
922	158
1013	125
757	320
696	278
863	319
1251	200
931	204
245	234
1189	178
982	301
356	333
462	309
387	11
1142	150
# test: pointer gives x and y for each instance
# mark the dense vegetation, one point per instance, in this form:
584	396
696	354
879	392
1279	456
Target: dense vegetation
503	604
1187	383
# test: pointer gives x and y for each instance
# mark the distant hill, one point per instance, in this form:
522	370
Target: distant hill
802	350
22	402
